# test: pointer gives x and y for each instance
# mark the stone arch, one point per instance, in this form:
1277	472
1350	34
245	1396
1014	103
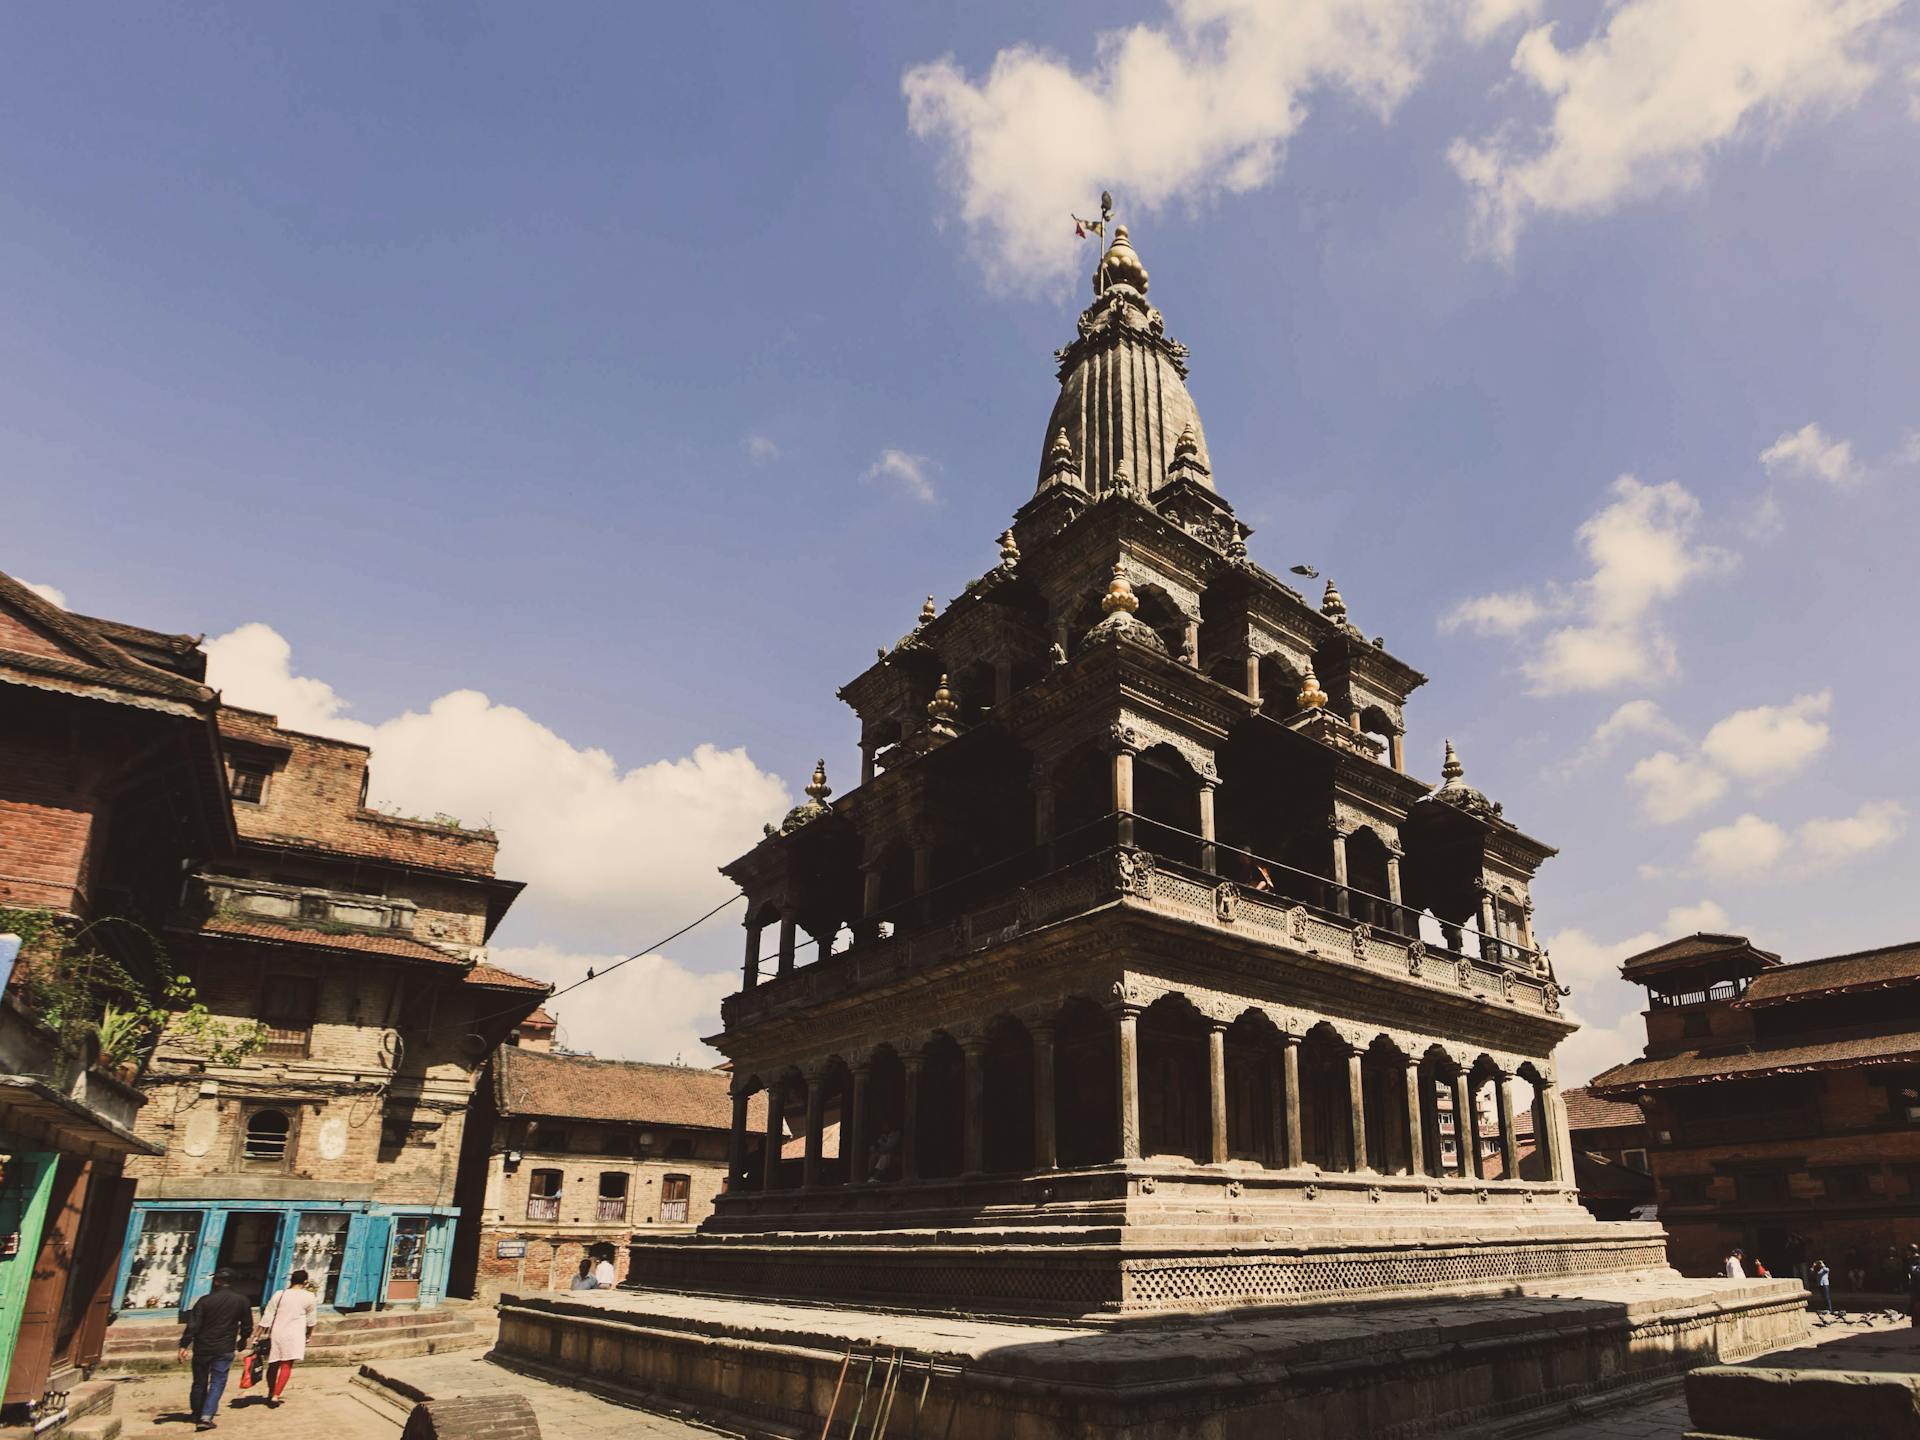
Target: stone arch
1326	1107
1166	802
1369	886
1279	685
886	1114
1383	1078
1083	796
939	1132
1174	1082
1007	1097
791	1089
1167	617
1086	1101
1256	1079
1377	723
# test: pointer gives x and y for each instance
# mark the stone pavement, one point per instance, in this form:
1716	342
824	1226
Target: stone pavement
320	1403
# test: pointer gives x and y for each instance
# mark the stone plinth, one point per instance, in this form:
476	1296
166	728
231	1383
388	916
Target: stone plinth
1388	1370
1866	1384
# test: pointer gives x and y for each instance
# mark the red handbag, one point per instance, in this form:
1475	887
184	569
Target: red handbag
254	1367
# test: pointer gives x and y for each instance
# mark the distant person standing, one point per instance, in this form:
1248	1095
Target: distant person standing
1735	1271
603	1275
1821	1279
288	1321
583	1277
217	1325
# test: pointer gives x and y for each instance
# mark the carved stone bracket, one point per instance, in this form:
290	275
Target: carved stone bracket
1464	970
1226	902
1416	957
1133	872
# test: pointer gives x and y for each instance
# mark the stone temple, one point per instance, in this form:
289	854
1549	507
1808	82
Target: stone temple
1127	1029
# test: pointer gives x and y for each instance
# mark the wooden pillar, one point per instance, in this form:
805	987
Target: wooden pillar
1123	792
973	1120
788	920
1046	1153
1466	1131
816	1126
750	971
910	1117
1126	1051
1357	1108
1509	1148
776	1108
1207	837
1290	1062
1217	1090
1253	676
854	1136
1416	1122
737	1139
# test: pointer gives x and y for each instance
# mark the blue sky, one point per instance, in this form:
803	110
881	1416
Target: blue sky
569	400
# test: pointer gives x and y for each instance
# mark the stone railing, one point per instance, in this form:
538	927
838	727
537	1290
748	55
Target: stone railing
1134	877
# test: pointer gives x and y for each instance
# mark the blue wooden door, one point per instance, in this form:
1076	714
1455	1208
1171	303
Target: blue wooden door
205	1259
364	1264
433	1277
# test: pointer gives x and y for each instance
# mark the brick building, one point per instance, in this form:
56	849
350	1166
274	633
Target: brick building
355	938
110	785
569	1155
1609	1155
1782	1102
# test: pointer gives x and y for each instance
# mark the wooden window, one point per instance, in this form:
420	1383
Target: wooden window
675	1193
1851	1182
612	1204
248	783
543	1195
268	1138
1635	1160
1687	1189
287	1009
1761	1187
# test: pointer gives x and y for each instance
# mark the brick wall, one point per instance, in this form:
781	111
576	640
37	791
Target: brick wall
48	812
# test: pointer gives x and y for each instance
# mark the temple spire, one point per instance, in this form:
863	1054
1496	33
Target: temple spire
1451	769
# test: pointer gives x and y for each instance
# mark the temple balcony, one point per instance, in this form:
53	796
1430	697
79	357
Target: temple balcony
245	898
1128	860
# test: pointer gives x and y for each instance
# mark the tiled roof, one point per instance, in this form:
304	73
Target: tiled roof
496	978
1689	949
43	645
1596	1175
576	1087
1885	968
360	942
1588	1111
1695	1065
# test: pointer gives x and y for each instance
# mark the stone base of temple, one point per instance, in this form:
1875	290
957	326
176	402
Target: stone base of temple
1399	1369
1144	1236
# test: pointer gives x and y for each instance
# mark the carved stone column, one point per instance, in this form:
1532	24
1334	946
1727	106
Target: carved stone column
1416	1120
1466	1129
816	1127
1207	836
1509	1148
1276	1109
737	1140
1290	1064
1217	1090
789	919
1430	1122
1126	1052
1561	1136
1046	1154
1193	643
855	1134
1341	905
910	1116
1252	686
776	1118
973	1120
1399	916
750	970
1357	1108
1489	934
1397	751
1123	791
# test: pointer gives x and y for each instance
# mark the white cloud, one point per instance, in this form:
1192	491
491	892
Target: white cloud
1634	718
1913	91
1825	843
1809	453
51	594
1743	850
1642	550
1770	742
1673	787
653	1008
1640	106
613	855
1202	102
1486	17
1503	614
1707	915
760	449
911	474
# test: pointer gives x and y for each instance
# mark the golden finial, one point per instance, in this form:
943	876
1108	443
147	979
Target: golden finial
1311	696
818	789
941	710
1121	265
1332	605
928	612
1188	443
1451	769
1009	549
1119	594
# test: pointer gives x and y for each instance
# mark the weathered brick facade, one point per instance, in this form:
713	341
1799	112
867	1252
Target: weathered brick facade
1782	1105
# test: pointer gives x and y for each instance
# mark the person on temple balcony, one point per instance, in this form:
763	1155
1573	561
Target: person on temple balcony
1262	878
886	1156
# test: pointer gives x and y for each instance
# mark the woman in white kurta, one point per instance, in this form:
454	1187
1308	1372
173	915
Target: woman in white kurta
286	1322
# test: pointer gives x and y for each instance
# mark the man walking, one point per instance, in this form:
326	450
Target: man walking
220	1322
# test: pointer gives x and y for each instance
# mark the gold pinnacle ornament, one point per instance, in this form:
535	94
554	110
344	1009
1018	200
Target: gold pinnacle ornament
928	612
1452	769
942	709
1009	549
818	789
1311	696
1119	594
